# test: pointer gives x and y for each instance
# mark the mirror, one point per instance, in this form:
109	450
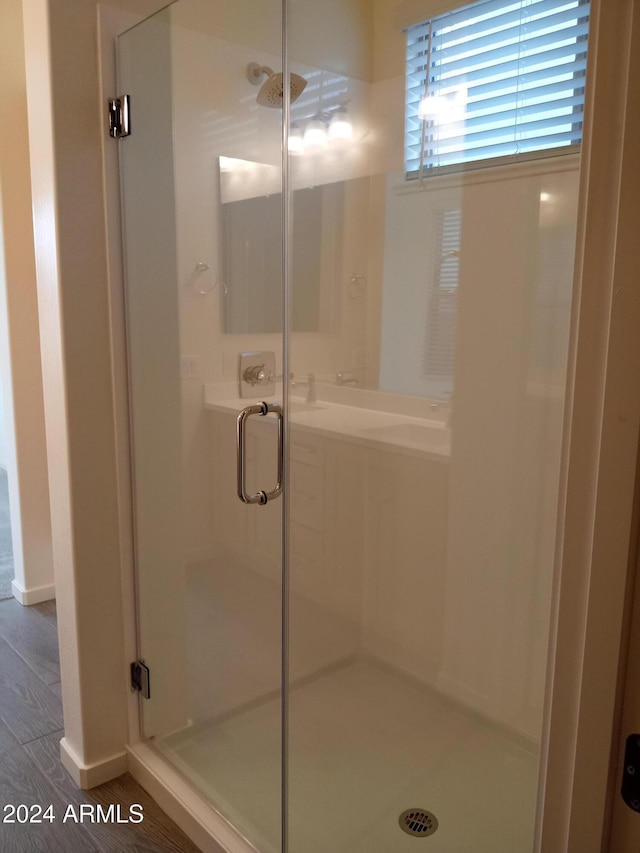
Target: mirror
251	231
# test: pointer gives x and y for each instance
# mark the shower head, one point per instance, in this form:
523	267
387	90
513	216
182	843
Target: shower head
271	91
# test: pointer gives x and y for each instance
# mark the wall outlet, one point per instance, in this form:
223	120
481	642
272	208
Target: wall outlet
188	366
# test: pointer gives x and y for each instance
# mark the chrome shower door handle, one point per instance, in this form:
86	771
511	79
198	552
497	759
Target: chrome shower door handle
261	409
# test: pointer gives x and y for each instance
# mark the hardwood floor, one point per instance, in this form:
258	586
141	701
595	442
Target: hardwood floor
31	773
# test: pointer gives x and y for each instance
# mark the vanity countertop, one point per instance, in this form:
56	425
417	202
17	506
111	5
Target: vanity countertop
381	430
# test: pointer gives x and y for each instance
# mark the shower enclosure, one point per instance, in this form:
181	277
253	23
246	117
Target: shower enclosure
383	258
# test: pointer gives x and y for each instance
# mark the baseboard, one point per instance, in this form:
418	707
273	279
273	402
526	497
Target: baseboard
32	596
88	776
211	832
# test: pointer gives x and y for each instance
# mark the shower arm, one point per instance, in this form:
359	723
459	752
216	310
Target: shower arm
255	72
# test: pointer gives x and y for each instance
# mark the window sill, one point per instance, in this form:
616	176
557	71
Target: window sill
461	176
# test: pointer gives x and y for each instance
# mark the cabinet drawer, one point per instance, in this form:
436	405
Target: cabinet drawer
305	448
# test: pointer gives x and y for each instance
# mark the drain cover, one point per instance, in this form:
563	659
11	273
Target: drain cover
418	822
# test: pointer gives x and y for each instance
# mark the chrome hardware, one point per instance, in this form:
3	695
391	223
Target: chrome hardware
256	369
261	409
120	117
310	382
258	375
630	789
141	678
346	379
203	279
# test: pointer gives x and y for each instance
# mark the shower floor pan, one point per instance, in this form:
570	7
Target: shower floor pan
365	745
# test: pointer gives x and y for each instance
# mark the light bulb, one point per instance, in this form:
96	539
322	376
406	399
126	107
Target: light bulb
296	141
340	126
315	133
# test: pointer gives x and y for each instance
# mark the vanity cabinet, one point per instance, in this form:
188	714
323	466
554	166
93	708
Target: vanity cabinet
406	508
367	567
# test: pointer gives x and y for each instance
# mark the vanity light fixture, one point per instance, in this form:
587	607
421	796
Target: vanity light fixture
315	133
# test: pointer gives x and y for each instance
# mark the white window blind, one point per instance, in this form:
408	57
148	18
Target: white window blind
495	79
440	338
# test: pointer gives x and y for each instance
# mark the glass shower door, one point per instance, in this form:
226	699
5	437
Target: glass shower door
429	292
425	452
201	194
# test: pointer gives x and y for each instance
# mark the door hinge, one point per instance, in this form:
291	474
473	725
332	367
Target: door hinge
141	678
631	773
120	117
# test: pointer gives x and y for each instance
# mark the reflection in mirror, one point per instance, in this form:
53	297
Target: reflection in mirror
252	251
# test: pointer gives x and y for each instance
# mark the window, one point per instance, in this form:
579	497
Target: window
495	79
440	337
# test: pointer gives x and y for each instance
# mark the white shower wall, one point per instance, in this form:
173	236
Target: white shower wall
414	568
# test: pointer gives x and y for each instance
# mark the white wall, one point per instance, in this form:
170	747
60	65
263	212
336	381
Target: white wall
507	429
25	453
66	117
511	356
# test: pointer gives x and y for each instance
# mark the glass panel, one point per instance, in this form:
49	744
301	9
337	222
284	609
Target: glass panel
201	178
426	418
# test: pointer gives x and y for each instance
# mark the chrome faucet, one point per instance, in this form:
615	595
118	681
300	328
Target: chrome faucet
346	379
310	382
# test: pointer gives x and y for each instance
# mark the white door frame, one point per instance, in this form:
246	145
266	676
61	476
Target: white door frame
601	436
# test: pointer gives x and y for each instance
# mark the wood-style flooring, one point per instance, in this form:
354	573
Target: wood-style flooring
30	770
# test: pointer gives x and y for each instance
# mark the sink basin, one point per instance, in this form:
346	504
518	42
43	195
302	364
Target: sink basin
413	435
